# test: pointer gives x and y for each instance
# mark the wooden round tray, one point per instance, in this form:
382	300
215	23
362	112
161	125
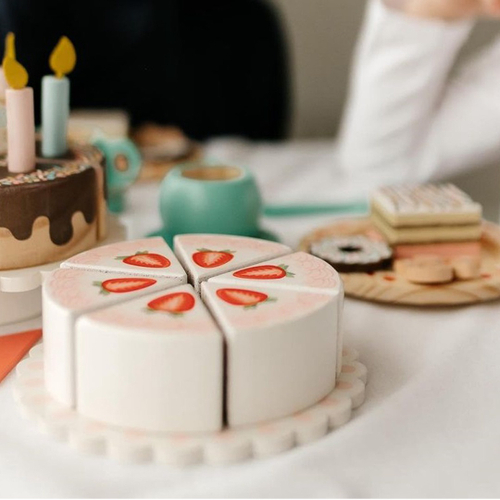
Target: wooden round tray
387	286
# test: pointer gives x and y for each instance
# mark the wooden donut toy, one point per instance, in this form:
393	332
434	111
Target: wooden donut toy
353	254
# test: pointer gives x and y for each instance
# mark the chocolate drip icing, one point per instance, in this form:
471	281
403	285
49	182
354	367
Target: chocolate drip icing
58	199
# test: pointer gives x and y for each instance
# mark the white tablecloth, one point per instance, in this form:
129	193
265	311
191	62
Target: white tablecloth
430	425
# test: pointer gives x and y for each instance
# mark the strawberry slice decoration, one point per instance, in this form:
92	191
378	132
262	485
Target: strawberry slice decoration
145	259
248	299
266	272
123	285
209	259
176	303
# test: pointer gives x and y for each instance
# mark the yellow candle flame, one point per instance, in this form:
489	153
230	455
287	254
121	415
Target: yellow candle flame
10	47
63	57
15	74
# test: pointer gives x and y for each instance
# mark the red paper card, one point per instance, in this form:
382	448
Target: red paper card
14	347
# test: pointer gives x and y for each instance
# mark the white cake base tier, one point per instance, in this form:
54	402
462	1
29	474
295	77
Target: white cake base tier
227	446
20	292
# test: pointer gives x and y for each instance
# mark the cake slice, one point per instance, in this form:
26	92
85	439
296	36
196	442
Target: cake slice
68	293
207	255
154	363
299	271
281	348
146	257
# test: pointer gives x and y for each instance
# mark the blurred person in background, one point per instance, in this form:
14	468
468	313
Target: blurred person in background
406	119
219	68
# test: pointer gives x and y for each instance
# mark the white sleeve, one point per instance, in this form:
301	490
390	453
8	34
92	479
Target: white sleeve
404	120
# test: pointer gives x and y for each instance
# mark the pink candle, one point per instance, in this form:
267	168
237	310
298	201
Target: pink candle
3	119
20	130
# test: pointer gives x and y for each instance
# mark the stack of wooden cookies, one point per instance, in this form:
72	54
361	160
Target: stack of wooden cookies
434	230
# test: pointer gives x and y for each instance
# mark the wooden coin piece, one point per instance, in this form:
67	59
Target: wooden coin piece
466	267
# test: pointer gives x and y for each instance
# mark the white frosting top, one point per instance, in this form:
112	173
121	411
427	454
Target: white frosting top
409	199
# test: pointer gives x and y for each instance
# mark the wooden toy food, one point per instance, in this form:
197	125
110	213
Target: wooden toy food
66	295
481	281
432	269
162	371
447	250
207	255
426	213
353	254
277	343
425	269
129	343
53	212
147	257
466	267
435	230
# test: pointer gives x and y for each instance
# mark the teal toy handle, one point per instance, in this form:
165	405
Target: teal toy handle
130	150
113	148
356	207
123	165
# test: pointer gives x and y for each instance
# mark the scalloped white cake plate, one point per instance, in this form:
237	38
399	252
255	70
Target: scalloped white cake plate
227	446
20	296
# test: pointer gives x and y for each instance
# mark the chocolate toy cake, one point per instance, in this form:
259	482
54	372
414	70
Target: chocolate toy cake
53	212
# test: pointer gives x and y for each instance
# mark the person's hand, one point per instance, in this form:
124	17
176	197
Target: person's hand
452	9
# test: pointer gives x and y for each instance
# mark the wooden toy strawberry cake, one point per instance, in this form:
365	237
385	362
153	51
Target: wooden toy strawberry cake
255	336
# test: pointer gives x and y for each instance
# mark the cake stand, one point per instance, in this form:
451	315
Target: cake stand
224	447
20	294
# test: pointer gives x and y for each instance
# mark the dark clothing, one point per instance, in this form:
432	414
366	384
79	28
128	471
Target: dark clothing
212	67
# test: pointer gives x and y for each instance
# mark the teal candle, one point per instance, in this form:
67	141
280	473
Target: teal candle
55	113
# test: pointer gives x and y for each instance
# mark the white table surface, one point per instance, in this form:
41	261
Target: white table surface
430	425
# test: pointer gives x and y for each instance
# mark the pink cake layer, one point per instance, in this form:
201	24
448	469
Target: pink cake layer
446	250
